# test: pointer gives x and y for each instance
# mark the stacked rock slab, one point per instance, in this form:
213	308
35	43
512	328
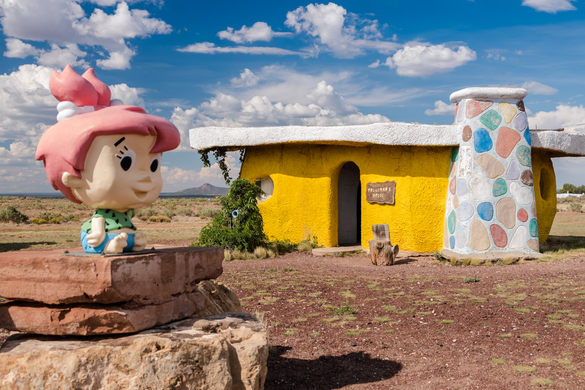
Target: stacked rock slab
54	294
184	328
491	210
225	352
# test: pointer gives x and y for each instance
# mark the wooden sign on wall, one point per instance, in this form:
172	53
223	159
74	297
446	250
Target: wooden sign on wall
381	193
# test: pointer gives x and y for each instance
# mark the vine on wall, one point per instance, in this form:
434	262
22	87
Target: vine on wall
220	155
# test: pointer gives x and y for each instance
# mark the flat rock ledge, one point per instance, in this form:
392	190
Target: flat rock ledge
53	293
225	351
55	278
207	298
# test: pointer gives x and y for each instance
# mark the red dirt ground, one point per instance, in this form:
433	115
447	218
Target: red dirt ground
340	322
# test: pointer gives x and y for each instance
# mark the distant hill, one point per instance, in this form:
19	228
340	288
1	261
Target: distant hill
204	190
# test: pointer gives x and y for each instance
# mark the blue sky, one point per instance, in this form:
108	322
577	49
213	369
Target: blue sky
259	63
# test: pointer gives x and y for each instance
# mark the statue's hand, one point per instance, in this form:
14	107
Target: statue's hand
96	238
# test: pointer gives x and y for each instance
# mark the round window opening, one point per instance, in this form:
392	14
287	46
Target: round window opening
267	186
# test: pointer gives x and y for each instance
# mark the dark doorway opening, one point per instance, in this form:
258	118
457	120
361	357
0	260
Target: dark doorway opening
349	209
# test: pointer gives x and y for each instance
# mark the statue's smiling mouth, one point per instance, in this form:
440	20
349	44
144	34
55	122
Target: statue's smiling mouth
140	194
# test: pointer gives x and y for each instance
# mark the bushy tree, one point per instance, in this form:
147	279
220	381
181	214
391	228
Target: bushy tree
239	223
11	214
572	189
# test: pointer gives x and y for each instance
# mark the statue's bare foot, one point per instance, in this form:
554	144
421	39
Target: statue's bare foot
117	244
139	241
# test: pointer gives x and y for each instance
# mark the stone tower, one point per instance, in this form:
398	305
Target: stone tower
491	210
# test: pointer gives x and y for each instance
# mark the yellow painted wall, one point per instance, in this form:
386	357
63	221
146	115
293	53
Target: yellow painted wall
544	191
304	202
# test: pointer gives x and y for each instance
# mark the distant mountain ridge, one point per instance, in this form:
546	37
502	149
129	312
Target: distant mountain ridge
203	190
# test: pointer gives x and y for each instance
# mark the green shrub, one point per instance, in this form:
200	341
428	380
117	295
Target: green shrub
146	213
244	231
169	213
575	207
52	217
186	211
159	218
11	214
71	217
304	246
282	246
227	255
260	252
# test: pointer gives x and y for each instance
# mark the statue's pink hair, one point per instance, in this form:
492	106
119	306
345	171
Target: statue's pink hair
64	146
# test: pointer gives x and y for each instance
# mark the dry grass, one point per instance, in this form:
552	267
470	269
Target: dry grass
188	215
177	223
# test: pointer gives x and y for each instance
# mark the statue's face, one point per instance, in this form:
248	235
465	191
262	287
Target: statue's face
120	173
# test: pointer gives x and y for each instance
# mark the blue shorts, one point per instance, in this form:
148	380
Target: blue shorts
100	248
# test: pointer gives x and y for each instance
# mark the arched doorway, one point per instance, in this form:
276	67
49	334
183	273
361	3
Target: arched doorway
349	205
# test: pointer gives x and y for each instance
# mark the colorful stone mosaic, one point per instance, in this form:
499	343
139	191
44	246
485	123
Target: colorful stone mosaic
491	205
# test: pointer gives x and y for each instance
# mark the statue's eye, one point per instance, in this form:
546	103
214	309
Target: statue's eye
154	164
127	157
126	163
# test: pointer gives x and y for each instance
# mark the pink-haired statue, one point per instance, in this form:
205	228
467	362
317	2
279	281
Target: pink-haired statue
105	155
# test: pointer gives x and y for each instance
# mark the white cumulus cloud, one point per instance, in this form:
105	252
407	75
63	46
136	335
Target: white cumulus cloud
247	79
118	59
550	6
283	97
259	31
210	48
536	88
344	34
128	95
563	115
15	48
59	57
123	23
110	3
175	178
418	59
66	27
441	108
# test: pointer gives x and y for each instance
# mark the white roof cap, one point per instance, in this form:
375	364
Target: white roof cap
488	93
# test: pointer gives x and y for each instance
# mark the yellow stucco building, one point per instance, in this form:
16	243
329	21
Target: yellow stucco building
316	180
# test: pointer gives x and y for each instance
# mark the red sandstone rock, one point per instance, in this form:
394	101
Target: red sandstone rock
208	298
51	277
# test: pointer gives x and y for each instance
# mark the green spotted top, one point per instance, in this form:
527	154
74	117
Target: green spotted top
114	220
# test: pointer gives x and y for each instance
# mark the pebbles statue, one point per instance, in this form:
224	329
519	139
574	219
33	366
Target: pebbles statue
106	155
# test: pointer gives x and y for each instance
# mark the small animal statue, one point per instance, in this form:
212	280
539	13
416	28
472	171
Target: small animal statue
106	155
381	250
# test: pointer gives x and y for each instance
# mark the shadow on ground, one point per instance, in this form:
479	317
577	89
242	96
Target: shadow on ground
15	246
404	260
554	243
326	372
